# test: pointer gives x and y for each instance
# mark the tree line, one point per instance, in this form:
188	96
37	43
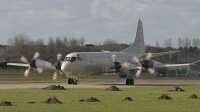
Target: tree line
22	45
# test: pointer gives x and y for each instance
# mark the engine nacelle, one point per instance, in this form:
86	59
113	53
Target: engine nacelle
122	75
147	64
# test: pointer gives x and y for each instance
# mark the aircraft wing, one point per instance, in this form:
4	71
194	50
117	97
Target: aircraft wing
19	64
164	53
45	65
163	66
160	54
125	67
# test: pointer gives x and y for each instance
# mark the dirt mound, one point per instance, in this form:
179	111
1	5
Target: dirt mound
112	88
193	96
92	99
53	87
164	96
31	102
5	103
177	88
127	99
52	100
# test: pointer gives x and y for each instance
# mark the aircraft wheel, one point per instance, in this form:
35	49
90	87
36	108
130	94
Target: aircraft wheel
70	81
127	81
75	82
131	81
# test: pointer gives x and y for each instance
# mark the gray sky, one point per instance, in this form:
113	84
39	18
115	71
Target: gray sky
98	20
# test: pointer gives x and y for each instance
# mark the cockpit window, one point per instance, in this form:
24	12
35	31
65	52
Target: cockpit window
72	59
67	58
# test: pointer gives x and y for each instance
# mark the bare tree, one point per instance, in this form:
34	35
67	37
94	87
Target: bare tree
180	42
198	42
50	49
65	41
82	41
168	43
110	45
17	47
157	44
187	45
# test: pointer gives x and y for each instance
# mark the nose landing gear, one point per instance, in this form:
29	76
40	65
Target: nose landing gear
73	81
129	81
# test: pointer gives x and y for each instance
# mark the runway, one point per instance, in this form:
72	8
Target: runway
121	84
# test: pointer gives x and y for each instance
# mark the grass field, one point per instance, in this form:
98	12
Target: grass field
145	100
47	78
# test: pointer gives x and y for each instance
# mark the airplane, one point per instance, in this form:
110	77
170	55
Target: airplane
129	62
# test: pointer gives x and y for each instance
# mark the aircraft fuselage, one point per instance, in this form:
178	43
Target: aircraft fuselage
89	63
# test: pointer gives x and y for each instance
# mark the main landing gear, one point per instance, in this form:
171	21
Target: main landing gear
129	81
73	81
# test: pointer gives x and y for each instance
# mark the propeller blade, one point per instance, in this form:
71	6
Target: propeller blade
125	65
55	75
60	71
137	74
151	70
118	77
149	56
36	55
135	59
113	56
26	73
39	70
24	59
59	56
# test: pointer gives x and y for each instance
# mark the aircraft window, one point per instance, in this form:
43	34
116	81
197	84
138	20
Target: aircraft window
67	58
73	59
78	58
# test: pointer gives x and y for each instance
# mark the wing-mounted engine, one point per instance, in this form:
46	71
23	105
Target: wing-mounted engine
32	64
147	64
122	67
35	63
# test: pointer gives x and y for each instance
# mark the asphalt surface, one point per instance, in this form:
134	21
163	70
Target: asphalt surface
121	84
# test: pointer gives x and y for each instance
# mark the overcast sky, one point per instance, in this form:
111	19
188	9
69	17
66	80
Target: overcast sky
98	20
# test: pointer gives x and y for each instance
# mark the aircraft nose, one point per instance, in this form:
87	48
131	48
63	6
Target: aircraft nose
66	66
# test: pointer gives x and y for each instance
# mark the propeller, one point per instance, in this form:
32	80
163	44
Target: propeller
57	66
117	65
139	71
149	56
147	64
32	64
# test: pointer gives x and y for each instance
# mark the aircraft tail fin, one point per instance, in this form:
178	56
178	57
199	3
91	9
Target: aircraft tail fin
138	44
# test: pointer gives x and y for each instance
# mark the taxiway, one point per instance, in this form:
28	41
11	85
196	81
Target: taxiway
106	84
